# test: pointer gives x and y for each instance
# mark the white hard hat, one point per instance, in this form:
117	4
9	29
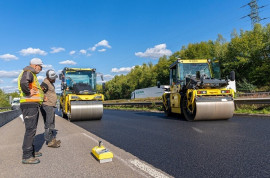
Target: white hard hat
36	61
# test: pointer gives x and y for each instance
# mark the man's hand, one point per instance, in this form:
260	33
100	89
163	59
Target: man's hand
45	98
33	92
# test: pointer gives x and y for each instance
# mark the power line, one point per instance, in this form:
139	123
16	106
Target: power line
254	12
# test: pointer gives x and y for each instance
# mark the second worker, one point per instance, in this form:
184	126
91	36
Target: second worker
48	109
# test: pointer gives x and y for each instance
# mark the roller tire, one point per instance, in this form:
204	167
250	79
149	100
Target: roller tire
64	115
186	113
168	111
68	118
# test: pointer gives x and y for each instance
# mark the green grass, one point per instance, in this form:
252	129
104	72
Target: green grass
4	110
253	109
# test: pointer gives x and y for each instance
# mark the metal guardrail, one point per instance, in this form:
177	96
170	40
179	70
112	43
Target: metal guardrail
8	116
133	103
159	103
252	101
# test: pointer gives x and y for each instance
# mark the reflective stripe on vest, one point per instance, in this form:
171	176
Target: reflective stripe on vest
37	98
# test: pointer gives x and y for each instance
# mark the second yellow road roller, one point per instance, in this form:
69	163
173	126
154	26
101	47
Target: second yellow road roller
197	91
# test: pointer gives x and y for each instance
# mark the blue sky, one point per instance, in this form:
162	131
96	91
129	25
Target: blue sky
109	35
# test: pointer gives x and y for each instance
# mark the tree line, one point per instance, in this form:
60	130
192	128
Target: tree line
248	54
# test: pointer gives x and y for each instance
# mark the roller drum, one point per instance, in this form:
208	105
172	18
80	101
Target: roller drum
214	110
86	110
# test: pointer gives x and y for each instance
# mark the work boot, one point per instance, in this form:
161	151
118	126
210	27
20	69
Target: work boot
54	143
38	154
58	141
31	160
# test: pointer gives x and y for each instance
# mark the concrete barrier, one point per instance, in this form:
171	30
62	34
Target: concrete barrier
8	116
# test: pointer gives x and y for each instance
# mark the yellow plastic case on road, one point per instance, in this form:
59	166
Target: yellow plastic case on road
102	154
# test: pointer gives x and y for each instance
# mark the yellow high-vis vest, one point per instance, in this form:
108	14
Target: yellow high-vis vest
37	98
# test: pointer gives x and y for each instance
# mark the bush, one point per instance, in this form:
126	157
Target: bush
246	86
4	99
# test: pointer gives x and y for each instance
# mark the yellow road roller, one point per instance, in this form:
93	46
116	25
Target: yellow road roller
197	91
79	98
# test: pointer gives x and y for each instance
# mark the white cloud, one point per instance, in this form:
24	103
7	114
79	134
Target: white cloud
58	90
29	51
40	78
1	81
47	66
103	43
89	54
68	62
57	50
102	50
83	51
100	82
8	57
106	78
72	52
57	87
93	48
9	89
156	52
122	69
15	80
9	74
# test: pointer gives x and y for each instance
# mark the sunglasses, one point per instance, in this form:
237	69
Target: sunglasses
40	66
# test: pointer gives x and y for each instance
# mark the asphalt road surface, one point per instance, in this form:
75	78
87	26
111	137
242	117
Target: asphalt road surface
239	147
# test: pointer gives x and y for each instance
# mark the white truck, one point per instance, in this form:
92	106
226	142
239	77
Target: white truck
15	104
149	92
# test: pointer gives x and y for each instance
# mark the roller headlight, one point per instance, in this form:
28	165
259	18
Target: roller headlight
225	91
202	92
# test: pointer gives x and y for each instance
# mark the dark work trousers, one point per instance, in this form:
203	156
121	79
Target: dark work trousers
30	116
49	121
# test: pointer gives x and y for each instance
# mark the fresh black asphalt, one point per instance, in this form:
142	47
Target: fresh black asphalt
239	147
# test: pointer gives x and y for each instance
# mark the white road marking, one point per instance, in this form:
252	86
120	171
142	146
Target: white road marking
197	130
143	167
147	169
90	137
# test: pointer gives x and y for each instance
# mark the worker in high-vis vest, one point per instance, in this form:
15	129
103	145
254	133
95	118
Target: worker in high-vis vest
31	97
